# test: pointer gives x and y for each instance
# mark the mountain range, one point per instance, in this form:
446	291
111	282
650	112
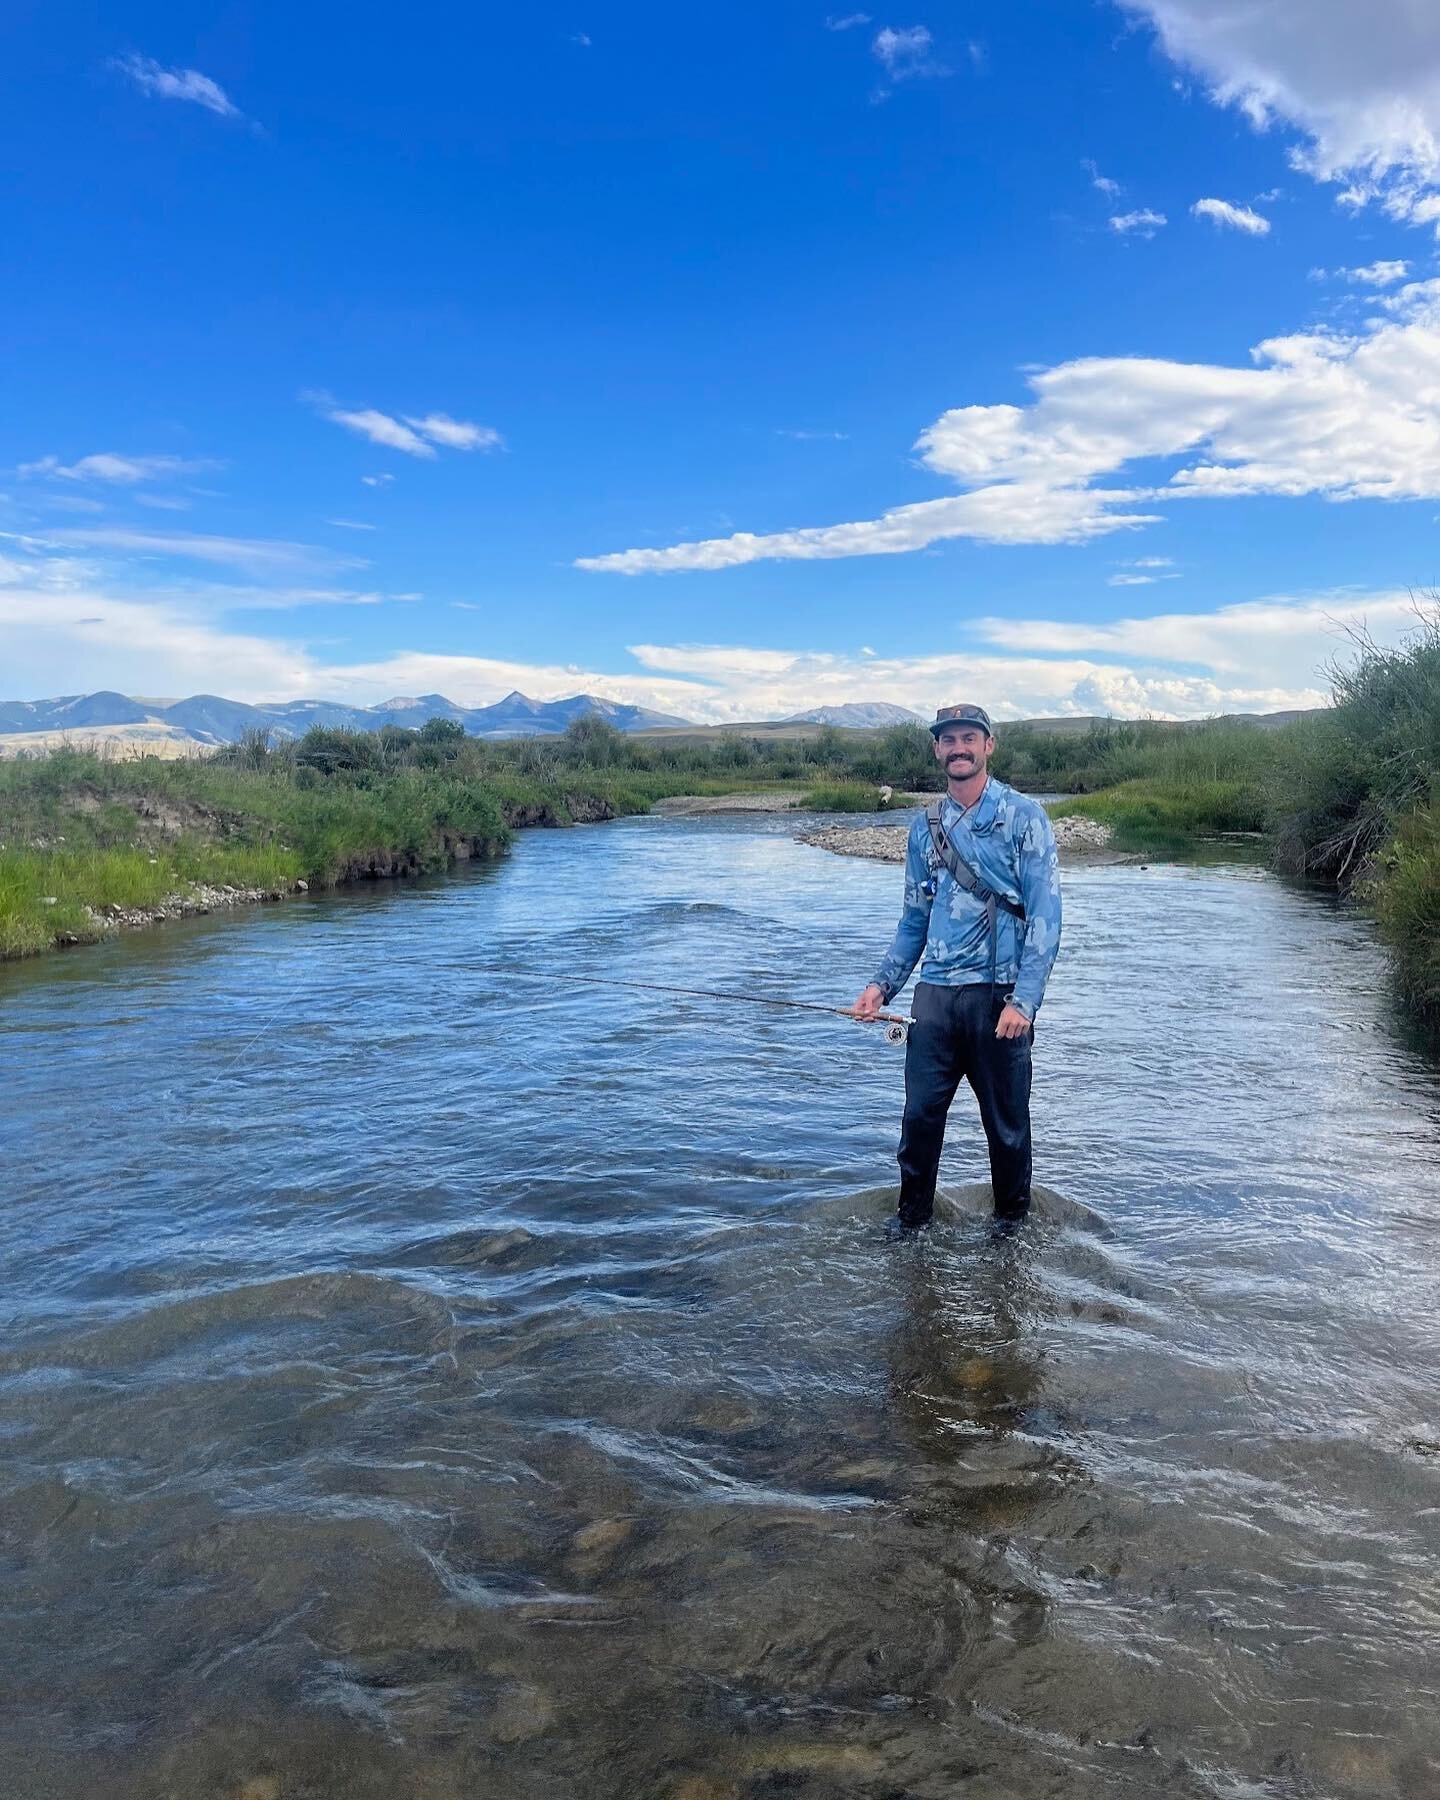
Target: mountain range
207	719
860	715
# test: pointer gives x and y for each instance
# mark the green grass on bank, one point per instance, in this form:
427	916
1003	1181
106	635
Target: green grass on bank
1160	814
844	797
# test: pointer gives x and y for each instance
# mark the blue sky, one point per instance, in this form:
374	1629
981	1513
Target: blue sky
727	364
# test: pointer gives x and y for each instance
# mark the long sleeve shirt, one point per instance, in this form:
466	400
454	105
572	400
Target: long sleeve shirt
1006	839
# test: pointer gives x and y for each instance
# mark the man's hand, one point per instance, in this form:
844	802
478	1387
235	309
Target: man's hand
1013	1023
869	1004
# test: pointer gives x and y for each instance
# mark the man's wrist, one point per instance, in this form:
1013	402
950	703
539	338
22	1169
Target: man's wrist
1022	1006
884	990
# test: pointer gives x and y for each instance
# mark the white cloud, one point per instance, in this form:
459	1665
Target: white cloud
1283	641
105	465
257	556
376	481
846	21
456	434
415	436
1360	83
1101	183
1377	274
351	524
1347	417
1143	221
1237	218
1016	513
178	84
907	52
813	437
380	428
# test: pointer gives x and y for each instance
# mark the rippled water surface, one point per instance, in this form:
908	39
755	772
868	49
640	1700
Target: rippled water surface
425	1376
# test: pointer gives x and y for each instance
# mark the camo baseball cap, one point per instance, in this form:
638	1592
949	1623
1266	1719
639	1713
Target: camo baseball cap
962	715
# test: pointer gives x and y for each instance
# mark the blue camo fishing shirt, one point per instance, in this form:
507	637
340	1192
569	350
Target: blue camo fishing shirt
1007	840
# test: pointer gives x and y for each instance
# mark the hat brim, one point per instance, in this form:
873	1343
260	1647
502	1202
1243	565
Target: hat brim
960	725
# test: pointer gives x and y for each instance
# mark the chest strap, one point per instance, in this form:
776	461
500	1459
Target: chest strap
960	869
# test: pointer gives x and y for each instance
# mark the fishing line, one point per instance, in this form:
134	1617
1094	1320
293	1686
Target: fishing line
897	1025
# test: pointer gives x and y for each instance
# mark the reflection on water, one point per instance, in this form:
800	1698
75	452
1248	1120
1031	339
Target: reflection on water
427	1378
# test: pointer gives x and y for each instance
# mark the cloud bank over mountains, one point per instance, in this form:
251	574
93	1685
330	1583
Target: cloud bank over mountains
69	625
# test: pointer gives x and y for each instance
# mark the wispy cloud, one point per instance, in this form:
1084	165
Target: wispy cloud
255	555
812	437
375	481
1233	218
153	78
124	471
381	429
456	434
1101	183
414	436
846	21
352	524
1143	222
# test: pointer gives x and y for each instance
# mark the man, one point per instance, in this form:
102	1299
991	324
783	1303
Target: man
982	901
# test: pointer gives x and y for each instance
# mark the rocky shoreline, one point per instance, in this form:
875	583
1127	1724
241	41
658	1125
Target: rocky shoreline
1074	836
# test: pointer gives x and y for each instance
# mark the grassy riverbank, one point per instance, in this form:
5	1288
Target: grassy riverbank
85	838
1349	797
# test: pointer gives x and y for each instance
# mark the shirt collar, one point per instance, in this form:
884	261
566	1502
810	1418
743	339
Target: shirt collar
980	815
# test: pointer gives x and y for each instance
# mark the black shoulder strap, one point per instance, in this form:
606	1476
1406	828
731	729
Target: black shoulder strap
960	869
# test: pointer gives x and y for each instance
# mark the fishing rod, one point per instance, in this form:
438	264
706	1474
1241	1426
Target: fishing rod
897	1025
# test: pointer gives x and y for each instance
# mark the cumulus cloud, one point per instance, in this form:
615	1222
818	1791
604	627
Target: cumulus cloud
414	436
1236	218
1143	222
1360	84
105	465
1345	416
178	84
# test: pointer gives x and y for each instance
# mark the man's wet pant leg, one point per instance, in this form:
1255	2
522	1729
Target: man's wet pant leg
954	1037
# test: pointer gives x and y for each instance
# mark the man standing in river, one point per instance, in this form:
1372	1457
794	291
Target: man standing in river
982	901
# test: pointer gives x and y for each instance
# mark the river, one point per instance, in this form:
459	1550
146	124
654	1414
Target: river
424	1376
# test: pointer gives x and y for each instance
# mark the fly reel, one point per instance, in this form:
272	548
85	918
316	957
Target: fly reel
897	1031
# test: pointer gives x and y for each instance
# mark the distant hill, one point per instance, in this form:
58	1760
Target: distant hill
208	720
860	715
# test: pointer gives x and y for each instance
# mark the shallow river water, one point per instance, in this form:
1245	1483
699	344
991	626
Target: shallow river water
424	1376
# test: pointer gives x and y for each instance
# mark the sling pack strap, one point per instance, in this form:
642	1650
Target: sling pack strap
960	869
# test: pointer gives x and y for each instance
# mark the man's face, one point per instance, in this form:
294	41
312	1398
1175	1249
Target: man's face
963	750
